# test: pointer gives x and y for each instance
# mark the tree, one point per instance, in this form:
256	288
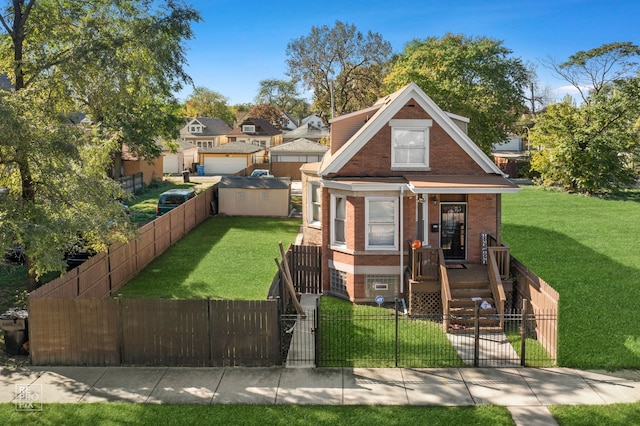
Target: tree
279	93
593	148
473	77
270	113
591	71
118	62
343	67
205	102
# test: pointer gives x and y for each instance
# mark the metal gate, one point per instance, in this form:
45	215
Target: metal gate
386	337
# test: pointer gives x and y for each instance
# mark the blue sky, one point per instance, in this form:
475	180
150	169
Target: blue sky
240	43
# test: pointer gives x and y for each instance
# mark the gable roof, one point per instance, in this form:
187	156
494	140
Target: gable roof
233	148
211	126
383	111
249	182
300	146
306	131
263	128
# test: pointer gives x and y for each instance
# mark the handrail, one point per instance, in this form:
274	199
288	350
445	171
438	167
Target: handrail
424	264
445	290
495	282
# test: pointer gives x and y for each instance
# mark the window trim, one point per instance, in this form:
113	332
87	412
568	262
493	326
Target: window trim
311	220
394	246
334	241
248	128
422	125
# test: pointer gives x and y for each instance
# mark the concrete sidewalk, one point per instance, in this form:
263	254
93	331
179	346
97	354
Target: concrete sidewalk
526	391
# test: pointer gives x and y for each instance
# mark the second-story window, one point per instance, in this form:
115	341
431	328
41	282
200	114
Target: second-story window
248	128
410	144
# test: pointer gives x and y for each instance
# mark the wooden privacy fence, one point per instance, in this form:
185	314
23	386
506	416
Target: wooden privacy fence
103	274
305	265
153	332
543	301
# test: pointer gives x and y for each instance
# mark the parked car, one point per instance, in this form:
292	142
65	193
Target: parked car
261	173
172	198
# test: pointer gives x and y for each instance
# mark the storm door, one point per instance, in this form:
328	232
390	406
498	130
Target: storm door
453	227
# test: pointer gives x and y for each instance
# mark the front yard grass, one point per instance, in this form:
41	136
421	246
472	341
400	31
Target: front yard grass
223	258
364	336
259	415
587	248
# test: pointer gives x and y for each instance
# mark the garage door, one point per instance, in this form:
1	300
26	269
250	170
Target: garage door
224	165
170	164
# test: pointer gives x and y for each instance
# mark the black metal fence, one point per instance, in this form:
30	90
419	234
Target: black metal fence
386	337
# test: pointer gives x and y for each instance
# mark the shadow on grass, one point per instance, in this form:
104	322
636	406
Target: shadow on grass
599	325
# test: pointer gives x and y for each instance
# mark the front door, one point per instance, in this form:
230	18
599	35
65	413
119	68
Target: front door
453	230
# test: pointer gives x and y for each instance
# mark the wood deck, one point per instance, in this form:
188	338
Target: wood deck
471	273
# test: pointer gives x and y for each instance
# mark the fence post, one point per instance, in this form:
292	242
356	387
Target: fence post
523	331
121	330
395	302
316	330
476	334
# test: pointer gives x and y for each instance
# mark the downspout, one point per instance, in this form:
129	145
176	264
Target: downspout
401	242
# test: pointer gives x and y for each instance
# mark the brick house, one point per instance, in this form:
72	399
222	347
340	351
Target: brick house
400	171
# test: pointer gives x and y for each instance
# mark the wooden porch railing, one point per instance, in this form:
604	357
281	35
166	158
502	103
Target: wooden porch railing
424	264
495	282
445	290
502	256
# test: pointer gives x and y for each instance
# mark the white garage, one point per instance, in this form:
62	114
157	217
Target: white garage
224	165
230	158
171	163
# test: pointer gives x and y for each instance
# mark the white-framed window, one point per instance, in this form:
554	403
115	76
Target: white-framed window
381	215
315	204
338	220
248	128
410	144
195	129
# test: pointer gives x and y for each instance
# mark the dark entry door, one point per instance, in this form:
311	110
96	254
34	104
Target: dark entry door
453	229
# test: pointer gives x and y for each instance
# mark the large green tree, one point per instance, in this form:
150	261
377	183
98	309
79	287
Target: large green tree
204	102
342	66
593	148
475	77
116	61
591	71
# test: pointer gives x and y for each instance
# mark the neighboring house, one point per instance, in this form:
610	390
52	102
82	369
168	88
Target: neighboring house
205	132
286	159
314	120
184	157
132	164
290	123
230	158
256	131
400	171
254	196
512	156
307	131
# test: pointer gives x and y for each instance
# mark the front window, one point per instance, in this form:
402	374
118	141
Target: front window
410	144
338	219
315	204
381	228
248	128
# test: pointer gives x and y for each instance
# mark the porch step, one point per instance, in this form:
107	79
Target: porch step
462	306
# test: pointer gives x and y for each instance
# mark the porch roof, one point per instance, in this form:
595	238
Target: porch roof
461	184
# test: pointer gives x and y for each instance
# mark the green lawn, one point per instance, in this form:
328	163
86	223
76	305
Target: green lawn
259	415
364	336
588	249
223	258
